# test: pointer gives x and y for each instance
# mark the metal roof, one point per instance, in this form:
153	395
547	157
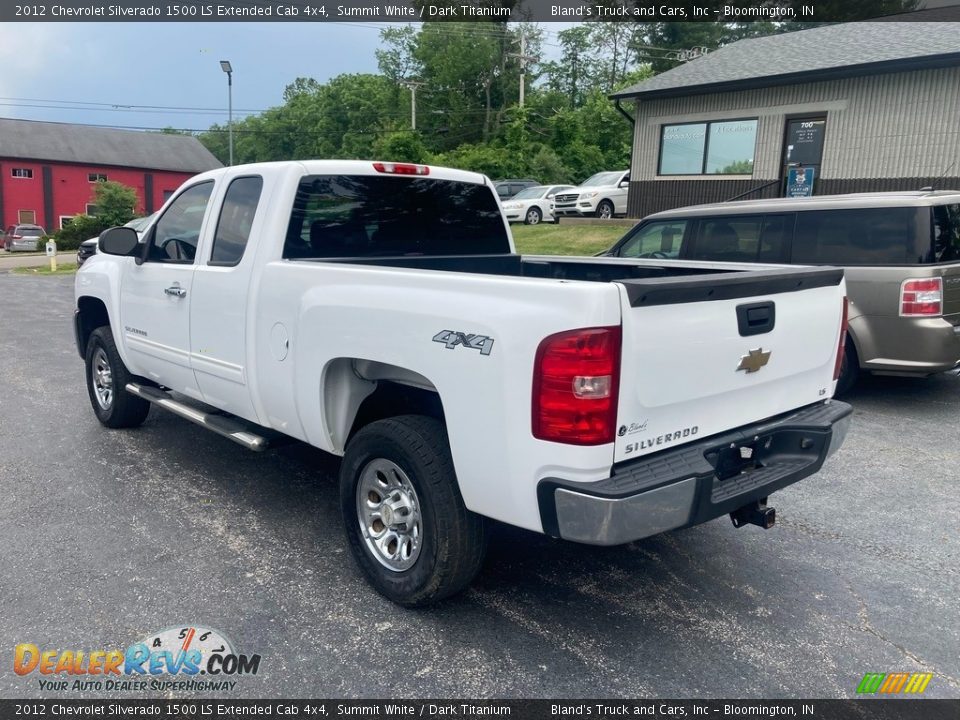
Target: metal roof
831	51
87	145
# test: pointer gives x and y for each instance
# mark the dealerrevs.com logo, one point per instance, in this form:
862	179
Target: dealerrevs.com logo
172	659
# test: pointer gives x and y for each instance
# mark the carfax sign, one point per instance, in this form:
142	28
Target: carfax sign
800	182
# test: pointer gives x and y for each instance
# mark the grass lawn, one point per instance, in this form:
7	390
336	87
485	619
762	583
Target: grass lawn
565	239
62	269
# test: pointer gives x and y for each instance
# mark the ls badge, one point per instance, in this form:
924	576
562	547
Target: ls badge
754	360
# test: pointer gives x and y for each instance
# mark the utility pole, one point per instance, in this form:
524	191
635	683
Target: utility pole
413	85
524	59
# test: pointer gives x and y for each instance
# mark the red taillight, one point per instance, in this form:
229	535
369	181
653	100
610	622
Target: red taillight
401	168
921	297
842	342
576	377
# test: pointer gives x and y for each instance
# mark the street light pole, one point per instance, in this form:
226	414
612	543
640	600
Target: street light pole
228	69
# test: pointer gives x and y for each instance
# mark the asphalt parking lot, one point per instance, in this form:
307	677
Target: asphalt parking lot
108	536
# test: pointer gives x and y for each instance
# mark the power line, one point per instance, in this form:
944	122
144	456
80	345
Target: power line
122	106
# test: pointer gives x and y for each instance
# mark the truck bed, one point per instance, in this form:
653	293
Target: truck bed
592	269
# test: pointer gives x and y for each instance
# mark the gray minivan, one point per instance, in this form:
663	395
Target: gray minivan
900	252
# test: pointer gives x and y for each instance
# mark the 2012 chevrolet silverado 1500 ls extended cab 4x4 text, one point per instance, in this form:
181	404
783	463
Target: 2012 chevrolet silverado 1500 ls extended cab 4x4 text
378	311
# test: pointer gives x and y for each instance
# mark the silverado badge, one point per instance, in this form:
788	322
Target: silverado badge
754	360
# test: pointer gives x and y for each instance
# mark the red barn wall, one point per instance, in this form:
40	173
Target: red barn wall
70	190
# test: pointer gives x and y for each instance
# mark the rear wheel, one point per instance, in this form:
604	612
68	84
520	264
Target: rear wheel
107	377
849	369
534	216
605	209
404	517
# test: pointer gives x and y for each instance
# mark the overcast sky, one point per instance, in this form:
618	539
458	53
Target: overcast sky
171	65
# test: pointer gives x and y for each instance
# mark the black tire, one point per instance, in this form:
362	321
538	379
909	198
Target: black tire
533	216
121	409
452	540
605	210
849	369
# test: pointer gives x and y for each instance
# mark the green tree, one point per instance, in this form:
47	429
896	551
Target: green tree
571	75
116	203
740	167
401	146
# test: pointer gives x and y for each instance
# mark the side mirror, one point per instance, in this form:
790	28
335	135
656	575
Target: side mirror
121	241
550	196
623	184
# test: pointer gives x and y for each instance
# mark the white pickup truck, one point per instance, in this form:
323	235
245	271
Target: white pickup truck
378	311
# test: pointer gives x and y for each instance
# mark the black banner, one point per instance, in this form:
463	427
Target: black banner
892	709
476	10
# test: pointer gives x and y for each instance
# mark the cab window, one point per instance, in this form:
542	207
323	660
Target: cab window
661	239
177	232
236	219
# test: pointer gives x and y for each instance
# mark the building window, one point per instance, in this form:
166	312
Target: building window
709	148
65	220
91	209
167	194
25	173
97	177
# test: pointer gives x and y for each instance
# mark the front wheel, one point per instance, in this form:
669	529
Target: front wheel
107	378
605	210
404	517
534	216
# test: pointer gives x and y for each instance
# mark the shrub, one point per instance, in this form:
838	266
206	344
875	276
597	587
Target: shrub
80	228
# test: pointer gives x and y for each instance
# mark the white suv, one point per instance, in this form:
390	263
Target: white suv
603	195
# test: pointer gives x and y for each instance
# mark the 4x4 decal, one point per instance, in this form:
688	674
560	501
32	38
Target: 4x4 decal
452	338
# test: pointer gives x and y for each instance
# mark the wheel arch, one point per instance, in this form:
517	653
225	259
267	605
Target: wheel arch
357	392
91	314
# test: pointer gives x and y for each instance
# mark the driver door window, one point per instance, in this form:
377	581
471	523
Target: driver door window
655	240
177	232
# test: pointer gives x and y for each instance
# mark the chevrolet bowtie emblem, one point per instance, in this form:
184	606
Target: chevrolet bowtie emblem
754	360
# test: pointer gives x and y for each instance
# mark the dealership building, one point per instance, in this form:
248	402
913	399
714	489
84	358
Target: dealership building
845	108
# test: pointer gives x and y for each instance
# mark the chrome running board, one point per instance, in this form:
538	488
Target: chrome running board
228	426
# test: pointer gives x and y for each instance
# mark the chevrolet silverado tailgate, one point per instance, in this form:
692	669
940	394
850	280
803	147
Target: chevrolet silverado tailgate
705	354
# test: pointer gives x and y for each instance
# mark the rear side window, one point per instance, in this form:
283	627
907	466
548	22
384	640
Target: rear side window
730	239
946	233
655	240
866	236
341	216
236	219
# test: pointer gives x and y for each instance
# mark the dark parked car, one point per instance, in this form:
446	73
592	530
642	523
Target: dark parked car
506	189
23	237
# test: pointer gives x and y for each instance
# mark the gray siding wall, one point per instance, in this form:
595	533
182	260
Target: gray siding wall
898	125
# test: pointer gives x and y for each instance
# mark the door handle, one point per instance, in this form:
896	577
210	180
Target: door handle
176	291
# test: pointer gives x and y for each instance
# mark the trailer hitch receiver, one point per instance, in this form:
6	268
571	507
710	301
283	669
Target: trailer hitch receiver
755	513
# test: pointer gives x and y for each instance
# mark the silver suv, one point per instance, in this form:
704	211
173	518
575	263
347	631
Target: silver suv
900	252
